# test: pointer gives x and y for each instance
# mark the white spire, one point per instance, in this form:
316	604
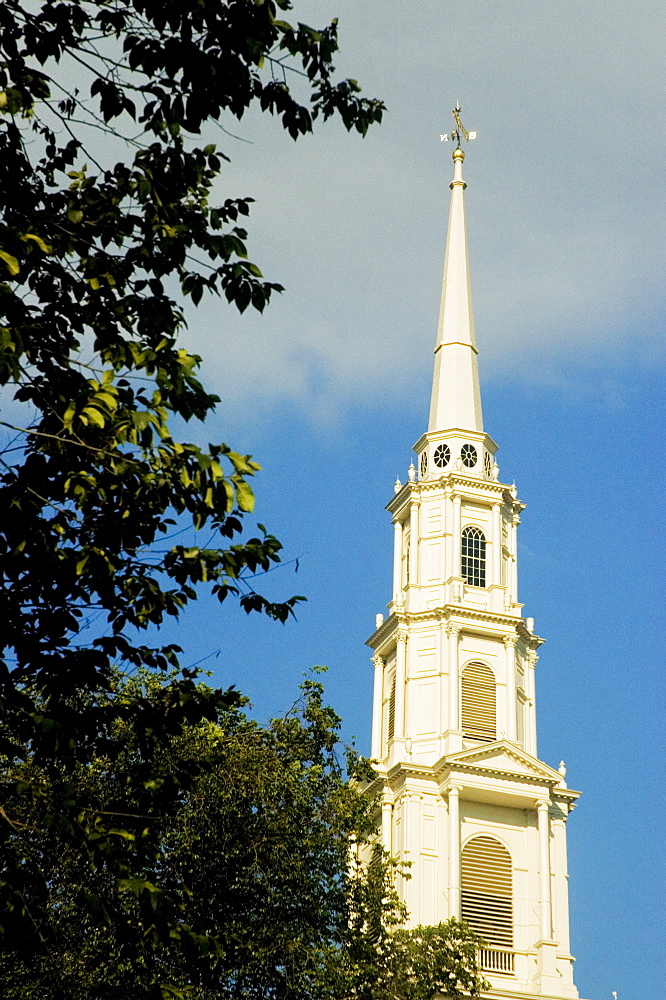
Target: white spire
456	398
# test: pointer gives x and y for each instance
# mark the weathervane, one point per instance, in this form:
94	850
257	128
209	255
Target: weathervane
459	132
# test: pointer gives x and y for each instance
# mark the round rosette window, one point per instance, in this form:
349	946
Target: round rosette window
424	463
488	463
468	455
442	456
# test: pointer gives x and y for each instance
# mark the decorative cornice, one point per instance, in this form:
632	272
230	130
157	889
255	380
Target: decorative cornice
531	640
565	794
405	491
455	614
477	486
457	771
435	437
476	757
407	767
512	501
458	476
458	614
499	773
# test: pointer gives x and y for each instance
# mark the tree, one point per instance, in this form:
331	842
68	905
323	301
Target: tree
252	862
97	251
154	842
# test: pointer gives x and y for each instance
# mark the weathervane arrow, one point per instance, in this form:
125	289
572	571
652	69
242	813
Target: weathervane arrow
460	132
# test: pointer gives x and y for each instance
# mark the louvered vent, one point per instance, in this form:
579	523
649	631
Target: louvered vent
479	715
391	714
487	891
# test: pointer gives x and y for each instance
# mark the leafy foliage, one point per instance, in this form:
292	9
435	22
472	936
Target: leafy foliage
99	246
240	887
88	262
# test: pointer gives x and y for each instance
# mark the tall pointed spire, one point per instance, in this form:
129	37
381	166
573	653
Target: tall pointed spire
456	398
464	799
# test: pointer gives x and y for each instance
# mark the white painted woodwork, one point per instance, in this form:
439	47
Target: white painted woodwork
377	702
454	852
456	399
543	823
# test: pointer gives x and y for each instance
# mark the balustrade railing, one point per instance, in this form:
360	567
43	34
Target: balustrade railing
493	960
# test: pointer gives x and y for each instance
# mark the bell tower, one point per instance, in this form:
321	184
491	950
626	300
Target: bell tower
464	797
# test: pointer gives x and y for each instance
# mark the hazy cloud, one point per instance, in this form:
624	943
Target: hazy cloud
564	201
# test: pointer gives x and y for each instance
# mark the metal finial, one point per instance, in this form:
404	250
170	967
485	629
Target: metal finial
460	132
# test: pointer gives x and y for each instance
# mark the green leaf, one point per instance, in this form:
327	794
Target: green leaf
136	885
44	247
68	416
229	490
11	262
124	834
244	495
93	416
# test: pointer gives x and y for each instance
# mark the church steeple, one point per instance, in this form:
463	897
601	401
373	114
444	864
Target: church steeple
456	398
465	801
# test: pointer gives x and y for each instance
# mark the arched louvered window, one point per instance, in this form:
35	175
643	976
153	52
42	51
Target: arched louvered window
479	709
473	549
390	729
487	891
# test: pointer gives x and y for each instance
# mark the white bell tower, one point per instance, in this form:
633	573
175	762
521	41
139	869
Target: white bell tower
464	797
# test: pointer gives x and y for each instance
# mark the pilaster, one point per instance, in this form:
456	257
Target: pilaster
454	737
397	563
377	703
387	822
510	706
400	686
454	568
454	851
530	721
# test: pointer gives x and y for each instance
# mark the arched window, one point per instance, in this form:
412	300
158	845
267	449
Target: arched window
487	891
473	550
479	711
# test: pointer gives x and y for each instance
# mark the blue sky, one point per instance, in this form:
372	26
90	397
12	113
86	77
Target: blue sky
330	389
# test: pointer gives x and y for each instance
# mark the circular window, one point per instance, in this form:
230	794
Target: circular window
442	455
488	463
424	462
468	455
